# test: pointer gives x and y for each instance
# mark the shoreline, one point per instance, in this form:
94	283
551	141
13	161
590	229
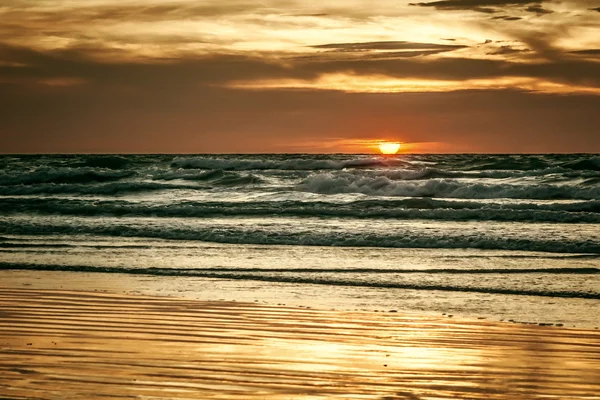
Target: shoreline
319	297
84	344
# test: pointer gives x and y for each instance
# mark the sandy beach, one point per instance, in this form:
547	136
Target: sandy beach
72	344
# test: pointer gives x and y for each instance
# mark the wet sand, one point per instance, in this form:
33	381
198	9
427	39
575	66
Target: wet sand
76	345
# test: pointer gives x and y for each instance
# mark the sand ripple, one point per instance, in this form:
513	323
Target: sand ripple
82	345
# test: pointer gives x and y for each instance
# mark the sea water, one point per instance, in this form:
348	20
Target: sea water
496	236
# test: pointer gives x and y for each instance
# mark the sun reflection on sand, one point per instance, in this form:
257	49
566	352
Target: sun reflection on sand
91	344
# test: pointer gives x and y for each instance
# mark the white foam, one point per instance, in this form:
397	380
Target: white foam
351	182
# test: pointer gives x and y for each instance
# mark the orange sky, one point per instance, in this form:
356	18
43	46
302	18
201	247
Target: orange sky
175	76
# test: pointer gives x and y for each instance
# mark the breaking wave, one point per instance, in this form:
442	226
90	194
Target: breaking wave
348	182
191	175
500	165
106	183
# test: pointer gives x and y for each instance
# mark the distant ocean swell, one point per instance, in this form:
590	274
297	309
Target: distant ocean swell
294	164
283	235
464	162
297	277
409	208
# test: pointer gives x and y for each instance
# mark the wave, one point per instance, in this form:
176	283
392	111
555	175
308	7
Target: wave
591	164
113	188
8	244
213	178
349	182
411	208
552	175
21	244
191	175
503	271
523	163
63	176
301	164
106	161
249	234
297	279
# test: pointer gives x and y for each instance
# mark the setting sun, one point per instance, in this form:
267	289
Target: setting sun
389	147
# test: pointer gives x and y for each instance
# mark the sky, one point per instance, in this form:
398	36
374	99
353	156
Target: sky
291	76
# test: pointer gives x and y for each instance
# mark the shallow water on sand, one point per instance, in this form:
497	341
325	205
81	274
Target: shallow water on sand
477	283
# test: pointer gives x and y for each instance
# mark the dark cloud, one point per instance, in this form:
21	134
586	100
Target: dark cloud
506	49
580	72
376	55
542	42
485	6
371	50
310	15
32	65
538	9
587	52
507	18
389	45
595	9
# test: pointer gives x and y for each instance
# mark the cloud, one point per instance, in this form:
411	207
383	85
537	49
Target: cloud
75	65
389	45
506	49
158	75
587	52
485	6
381	50
507	18
34	65
131	12
316	15
178	60
538	9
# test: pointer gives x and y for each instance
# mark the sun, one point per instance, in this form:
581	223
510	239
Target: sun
389	147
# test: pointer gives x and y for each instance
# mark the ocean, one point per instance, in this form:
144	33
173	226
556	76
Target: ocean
505	237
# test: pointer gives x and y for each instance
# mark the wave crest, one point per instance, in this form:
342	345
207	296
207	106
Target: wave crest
346	182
